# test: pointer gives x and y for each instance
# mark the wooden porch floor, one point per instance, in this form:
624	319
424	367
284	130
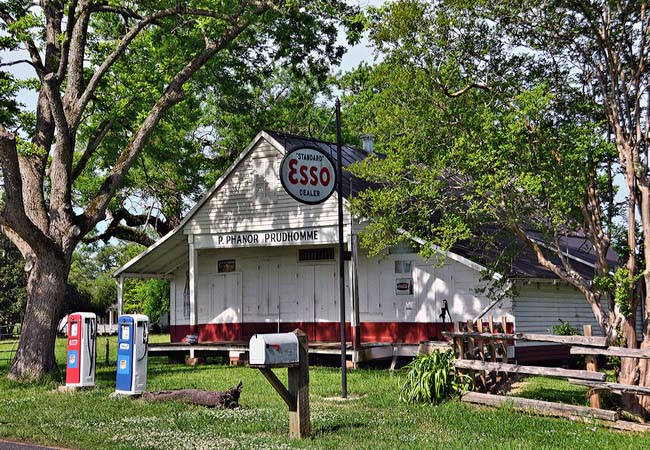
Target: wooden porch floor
369	351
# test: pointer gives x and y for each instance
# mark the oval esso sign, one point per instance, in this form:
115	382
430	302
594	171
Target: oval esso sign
308	175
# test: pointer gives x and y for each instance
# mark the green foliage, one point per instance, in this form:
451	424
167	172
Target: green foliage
477	140
149	297
268	77
433	379
13	282
9	107
622	287
91	277
565	329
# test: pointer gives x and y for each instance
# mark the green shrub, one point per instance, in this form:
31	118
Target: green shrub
565	329
432	379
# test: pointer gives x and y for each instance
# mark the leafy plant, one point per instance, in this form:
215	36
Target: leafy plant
432	379
622	285
565	329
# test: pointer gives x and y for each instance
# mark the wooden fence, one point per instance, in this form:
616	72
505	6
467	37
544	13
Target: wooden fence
482	351
9	336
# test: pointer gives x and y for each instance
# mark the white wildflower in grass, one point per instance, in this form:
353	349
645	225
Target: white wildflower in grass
193	440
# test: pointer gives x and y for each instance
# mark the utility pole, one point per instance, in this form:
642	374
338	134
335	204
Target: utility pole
339	188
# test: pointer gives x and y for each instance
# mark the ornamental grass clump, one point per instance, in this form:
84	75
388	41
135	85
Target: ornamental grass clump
433	379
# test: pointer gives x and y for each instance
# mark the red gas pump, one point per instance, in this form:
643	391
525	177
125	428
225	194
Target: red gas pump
82	336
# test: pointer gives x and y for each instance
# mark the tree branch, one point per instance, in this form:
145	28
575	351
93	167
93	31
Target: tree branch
173	95
128	232
13	215
65	46
62	158
462	91
29	44
570	276
87	94
92	145
123	233
124	12
18	61
72	59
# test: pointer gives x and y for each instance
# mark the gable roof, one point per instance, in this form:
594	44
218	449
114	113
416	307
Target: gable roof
163	257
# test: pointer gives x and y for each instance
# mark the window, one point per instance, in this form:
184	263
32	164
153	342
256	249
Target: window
226	265
402	266
316	254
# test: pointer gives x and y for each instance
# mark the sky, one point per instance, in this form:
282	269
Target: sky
352	58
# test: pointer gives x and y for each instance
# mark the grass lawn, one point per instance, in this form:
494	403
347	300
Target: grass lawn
374	420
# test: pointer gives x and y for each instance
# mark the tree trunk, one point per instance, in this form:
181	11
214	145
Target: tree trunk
226	400
630	367
644	377
45	293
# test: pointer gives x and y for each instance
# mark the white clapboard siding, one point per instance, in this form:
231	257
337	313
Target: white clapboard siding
455	282
540	306
252	199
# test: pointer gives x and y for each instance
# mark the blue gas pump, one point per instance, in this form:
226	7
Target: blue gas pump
132	349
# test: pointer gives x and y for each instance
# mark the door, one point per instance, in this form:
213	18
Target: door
306	300
226	298
269	287
326	289
318	290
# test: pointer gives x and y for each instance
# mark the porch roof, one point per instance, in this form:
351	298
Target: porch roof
158	260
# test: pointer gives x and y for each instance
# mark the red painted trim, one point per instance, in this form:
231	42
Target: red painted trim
407	332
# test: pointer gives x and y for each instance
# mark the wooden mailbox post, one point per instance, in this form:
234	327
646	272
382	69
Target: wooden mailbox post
296	396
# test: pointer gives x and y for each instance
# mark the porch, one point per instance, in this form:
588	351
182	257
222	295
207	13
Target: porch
237	351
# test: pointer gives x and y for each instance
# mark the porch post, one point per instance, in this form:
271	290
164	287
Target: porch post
193	265
120	295
354	286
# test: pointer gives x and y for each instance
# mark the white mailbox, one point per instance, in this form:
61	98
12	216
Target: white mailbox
273	350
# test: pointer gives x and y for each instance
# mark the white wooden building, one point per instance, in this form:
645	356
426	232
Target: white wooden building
248	259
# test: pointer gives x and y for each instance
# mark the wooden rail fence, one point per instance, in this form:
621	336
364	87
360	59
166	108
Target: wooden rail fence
479	345
8	342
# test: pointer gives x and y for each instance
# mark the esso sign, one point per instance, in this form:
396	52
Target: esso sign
308	175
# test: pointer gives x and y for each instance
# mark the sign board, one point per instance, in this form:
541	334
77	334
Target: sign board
308	175
301	236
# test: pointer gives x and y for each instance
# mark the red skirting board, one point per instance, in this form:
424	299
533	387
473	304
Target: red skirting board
406	332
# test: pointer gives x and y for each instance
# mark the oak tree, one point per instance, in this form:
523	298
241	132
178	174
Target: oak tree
517	116
106	75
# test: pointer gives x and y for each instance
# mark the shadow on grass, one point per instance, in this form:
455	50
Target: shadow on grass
555	395
333	428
